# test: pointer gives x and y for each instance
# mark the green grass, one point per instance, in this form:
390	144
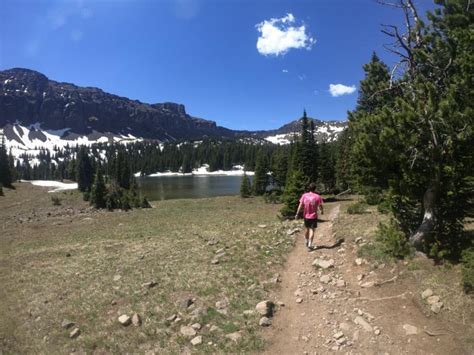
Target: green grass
41	285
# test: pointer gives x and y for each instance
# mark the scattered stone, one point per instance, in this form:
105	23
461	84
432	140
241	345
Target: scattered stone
214	328
66	324
410	329
196	326
149	284
212	242
377	332
265	308
187	331
433	299
117	277
314	291
281	304
197	340
340	283
249	312
172	318
358	240
299	300
368	284
236	336
363	323
290	232
436	308
325	279
344	326
298	292
75	333
113	303
360	277
341	341
125	320
427	293
136	320
338	335
265	322
359	261
262	226
323	264
185	302
304	338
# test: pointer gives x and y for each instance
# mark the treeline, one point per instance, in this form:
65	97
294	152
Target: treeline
410	139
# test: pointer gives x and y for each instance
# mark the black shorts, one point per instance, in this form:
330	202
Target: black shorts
311	223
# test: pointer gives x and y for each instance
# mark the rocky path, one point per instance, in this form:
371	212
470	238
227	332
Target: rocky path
344	305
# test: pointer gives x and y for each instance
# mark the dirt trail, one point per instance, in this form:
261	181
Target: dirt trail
340	316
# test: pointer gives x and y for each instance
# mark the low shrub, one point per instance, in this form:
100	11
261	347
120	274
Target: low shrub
56	200
467	270
373	197
1	190
357	208
384	207
393	241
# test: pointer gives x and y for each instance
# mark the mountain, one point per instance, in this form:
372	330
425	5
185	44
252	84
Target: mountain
36	112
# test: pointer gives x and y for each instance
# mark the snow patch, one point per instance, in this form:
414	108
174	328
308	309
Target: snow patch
58	186
237	170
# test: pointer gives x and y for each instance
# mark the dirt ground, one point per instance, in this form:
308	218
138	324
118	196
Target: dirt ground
341	316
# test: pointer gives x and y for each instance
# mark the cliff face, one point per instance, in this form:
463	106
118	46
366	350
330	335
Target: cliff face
28	97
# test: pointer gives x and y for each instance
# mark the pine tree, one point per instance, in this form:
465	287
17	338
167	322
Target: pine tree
84	170
245	187
295	187
5	172
98	191
260	179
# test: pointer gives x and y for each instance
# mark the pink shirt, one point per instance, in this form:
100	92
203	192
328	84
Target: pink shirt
311	202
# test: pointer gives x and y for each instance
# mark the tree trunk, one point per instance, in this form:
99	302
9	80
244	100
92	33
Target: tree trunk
429	217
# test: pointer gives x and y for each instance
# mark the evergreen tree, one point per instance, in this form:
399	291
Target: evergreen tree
5	172
98	191
134	196
260	179
295	187
84	170
245	187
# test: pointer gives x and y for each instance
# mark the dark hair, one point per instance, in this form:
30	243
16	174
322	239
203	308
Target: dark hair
312	187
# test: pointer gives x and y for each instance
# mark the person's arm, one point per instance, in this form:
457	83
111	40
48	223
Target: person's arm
321	208
300	206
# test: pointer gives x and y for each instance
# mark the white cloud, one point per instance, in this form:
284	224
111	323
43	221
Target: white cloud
340	89
284	71
302	77
278	36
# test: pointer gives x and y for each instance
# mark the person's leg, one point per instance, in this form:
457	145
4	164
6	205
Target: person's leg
311	236
306	235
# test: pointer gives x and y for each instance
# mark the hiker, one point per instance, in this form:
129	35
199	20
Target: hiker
310	202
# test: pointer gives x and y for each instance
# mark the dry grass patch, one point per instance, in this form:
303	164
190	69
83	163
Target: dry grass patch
72	262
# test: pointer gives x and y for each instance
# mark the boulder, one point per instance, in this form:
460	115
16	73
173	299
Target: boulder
125	320
265	308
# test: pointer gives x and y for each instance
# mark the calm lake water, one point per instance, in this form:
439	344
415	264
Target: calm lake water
193	186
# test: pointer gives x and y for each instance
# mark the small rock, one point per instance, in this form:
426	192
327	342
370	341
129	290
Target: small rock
187	331
323	264
136	320
197	340
215	261
236	336
410	329
196	326
150	284
433	299
341	341
427	293
363	323
325	279
367	284
262	226
124	320
248	312
172	318
358	240
265	322
338	335
436	308
360	277
340	283
298	292
377	332
117	277
359	261
185	302
299	300
265	308
66	324
75	333
314	291
214	328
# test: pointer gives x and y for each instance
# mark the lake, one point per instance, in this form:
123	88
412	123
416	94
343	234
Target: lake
189	186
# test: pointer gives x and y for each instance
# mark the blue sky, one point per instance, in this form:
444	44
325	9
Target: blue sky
203	53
